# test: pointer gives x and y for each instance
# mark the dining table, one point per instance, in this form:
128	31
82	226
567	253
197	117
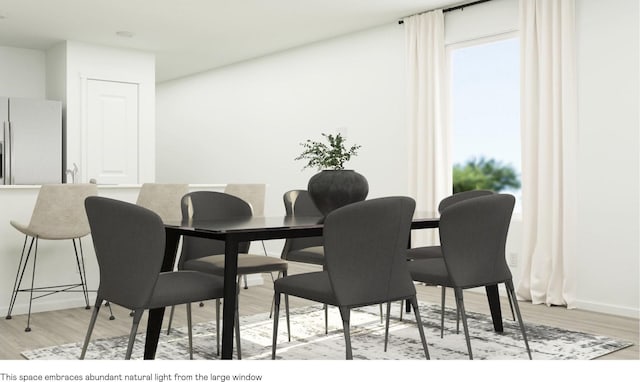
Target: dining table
236	231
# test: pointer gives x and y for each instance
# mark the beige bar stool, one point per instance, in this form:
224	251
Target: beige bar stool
58	215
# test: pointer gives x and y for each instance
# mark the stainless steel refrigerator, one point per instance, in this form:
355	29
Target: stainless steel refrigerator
30	141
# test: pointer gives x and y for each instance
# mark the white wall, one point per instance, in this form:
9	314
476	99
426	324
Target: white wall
22	73
608	174
244	123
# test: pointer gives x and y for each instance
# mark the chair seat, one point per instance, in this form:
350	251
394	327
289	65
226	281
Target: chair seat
314	286
180	287
430	252
47	233
433	271
247	264
311	255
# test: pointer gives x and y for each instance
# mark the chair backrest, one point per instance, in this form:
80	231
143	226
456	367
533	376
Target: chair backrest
299	203
129	242
59	211
254	194
460	196
210	205
365	244
163	199
473	235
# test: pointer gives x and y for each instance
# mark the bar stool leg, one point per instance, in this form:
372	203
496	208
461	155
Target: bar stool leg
33	278
22	266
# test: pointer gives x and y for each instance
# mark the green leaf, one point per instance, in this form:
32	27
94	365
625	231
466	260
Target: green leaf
323	156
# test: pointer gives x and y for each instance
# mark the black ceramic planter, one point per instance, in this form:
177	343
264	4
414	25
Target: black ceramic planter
331	189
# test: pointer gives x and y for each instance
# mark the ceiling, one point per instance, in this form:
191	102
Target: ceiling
190	36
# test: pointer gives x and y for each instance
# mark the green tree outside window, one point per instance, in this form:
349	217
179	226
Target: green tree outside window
484	174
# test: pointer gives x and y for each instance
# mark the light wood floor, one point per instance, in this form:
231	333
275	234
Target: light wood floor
65	326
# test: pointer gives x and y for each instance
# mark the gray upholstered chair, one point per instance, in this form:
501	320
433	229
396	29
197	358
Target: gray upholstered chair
305	249
434	251
429	252
163	199
129	241
58	215
364	263
254	194
207	255
473	236
308	250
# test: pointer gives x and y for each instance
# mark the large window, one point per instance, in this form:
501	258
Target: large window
485	99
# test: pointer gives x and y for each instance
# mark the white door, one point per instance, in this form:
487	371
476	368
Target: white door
112	132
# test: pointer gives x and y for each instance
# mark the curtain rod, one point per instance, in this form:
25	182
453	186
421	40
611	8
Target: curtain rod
455	8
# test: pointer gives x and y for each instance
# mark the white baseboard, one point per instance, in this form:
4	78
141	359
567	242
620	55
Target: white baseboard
615	310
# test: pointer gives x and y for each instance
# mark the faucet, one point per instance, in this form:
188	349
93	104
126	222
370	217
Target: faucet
73	173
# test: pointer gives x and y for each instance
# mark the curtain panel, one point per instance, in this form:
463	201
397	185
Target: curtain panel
429	138
549	142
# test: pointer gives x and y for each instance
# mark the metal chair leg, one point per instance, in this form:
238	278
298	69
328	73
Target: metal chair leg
326	319
273	280
271	309
173	308
82	271
22	267
218	326
444	293
111	316
237	330
386	326
425	347
345	313
237	326
513	315
189	332
92	323
33	278
286	307
137	315
276	314
463	314
512	293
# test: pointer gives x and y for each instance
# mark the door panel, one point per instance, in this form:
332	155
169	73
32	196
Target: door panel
112	133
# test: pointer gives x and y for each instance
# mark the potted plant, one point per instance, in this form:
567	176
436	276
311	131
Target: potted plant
333	186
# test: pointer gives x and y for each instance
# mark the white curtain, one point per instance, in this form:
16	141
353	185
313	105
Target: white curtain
429	138
549	140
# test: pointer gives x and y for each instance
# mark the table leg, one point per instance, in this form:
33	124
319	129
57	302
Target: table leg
154	325
494	305
154	321
229	307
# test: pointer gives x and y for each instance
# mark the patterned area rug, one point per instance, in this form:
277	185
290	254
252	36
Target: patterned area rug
309	342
